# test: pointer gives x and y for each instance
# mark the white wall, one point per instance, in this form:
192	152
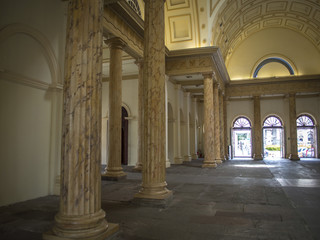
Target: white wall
130	99
32	42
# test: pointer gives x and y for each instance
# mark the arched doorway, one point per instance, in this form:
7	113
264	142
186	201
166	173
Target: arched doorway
273	143
124	137
241	138
307	136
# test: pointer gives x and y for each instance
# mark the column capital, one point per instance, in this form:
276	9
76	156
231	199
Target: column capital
208	75
115	42
186	94
177	86
139	62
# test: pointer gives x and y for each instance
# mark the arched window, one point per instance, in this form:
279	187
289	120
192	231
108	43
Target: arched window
273	60
272	121
241	138
241	122
273	138
305	121
306	136
135	6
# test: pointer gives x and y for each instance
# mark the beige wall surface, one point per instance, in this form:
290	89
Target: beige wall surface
32	38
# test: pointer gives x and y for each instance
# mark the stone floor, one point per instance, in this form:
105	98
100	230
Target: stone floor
241	199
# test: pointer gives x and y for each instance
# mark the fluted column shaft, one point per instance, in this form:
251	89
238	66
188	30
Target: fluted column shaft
154	160
208	122
178	158
195	130
222	133
187	157
138	166
80	215
217	130
293	127
225	139
114	168
257	129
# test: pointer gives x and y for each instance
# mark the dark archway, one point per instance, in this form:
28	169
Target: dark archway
124	137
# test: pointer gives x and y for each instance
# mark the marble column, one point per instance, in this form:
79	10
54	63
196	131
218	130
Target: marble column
222	133
217	130
195	139
293	127
187	157
257	143
225	126
138	166
178	158
168	164
154	186
208	122
80	215
114	169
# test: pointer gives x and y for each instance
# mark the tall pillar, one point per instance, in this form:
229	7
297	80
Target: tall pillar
293	127
195	140
80	215
257	129
178	158
138	166
222	133
187	157
217	130
114	169
208	122
154	161
168	164
225	126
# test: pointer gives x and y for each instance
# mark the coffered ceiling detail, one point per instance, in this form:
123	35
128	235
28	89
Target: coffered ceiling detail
238	19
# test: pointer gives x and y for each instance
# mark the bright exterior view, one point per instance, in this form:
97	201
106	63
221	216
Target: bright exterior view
273	137
241	137
306	136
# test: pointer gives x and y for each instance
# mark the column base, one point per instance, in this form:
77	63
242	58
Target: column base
168	164
156	192
195	156
209	164
112	230
257	157
178	160
162	201
187	158
219	161
138	168
114	174
294	157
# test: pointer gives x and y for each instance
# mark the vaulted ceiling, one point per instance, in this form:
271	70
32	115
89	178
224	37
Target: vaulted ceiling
248	32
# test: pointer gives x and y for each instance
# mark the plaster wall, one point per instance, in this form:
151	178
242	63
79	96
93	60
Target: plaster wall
130	101
32	42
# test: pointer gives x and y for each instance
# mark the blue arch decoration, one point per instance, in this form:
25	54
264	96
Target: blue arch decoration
270	60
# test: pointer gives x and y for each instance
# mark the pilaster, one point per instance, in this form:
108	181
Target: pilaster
293	127
257	143
178	158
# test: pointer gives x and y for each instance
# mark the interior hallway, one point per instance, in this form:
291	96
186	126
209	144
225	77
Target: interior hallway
241	199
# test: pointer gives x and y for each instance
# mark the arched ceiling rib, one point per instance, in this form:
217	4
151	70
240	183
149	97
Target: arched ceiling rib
238	19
